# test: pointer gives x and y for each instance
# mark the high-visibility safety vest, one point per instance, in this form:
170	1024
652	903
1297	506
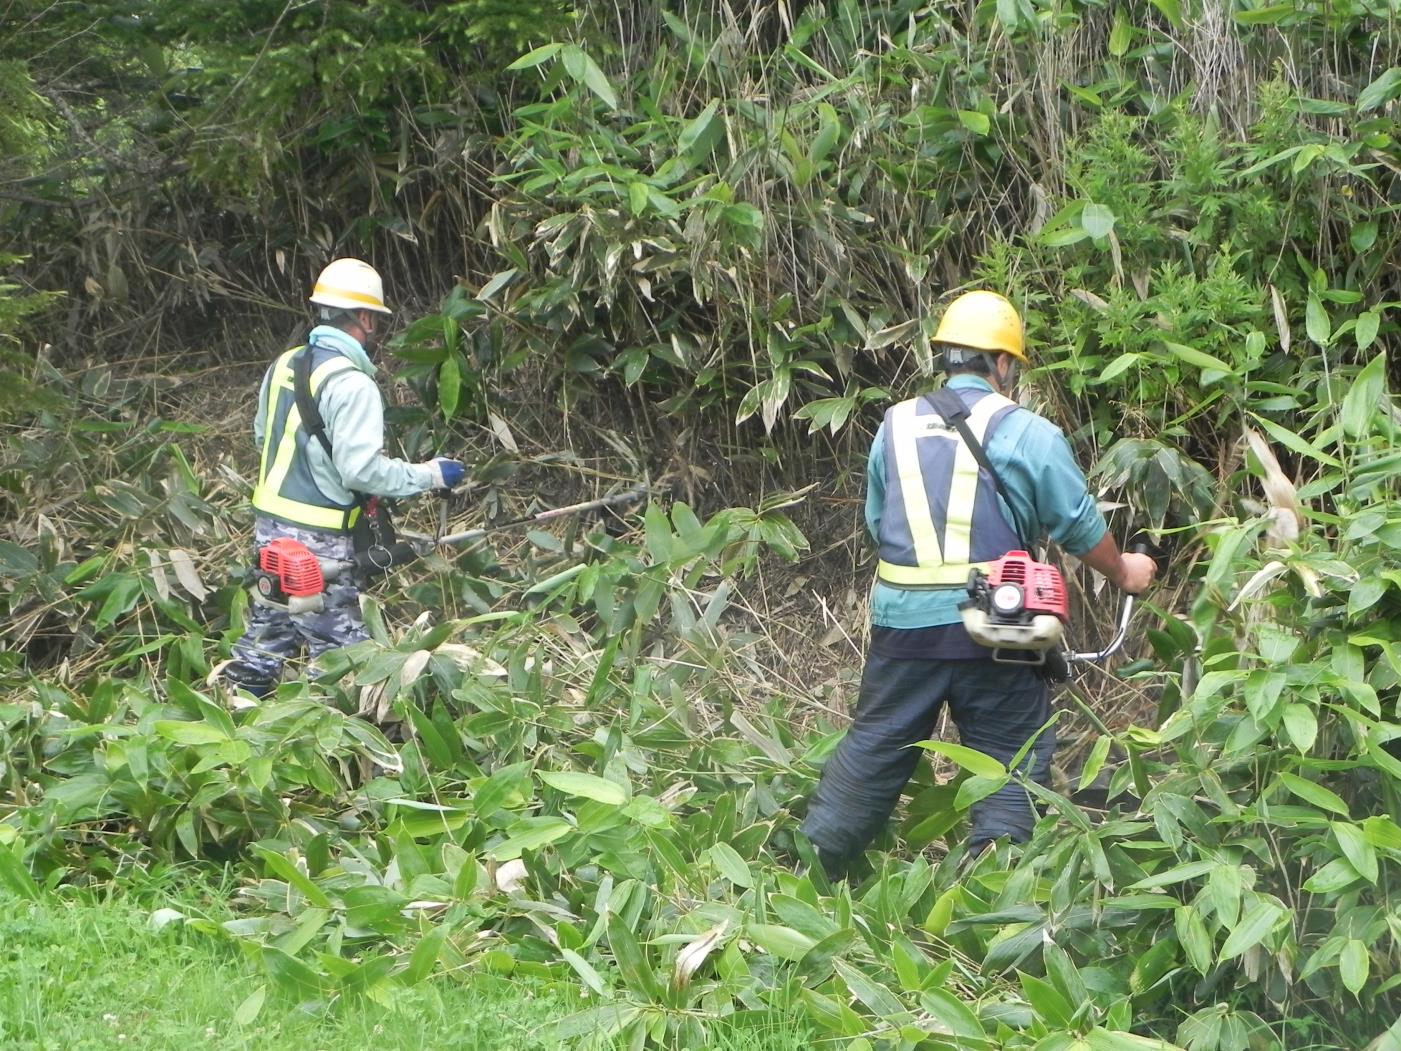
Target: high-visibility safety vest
286	488
942	516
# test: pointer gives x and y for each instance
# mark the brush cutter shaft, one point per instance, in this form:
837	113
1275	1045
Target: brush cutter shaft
630	496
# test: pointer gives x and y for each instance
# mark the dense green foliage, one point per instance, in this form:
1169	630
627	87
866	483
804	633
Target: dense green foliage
716	233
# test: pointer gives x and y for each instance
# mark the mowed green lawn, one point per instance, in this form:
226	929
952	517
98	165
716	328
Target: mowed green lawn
81	975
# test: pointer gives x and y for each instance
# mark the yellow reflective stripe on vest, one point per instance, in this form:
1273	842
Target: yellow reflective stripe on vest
950	574
946	563
906	429
963	489
273	473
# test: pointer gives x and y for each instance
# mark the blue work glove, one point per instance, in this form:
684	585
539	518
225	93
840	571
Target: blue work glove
447	474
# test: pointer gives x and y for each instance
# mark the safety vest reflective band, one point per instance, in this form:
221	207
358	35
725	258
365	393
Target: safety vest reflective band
942	517
286	487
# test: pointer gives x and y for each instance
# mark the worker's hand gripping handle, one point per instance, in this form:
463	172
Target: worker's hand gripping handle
1139	544
1142	544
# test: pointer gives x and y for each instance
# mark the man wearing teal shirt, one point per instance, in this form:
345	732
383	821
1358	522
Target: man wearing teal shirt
935	514
313	483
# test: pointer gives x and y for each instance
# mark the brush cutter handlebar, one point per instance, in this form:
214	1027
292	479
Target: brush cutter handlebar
1140	545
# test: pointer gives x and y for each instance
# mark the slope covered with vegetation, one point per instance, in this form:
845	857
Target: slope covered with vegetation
706	243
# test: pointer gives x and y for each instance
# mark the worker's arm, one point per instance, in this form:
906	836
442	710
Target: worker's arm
1043	469
353	410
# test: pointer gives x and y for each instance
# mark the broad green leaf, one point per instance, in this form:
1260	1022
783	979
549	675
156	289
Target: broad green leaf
1200	359
1332	877
783	942
190	733
1097	220
449	386
292	975
632	960
496	284
534	833
976	789
425	955
1264	15
1360	403
534	58
697	130
1121	35
1176	874
1360	854
1301	725
1050	1005
1061	238
287	871
1316	322
584	70
14	876
1313	793
1382	832
970	759
1381	91
584	970
870	992
829	130
657	533
252	1004
730	865
1098	754
1099	1039
1365	332
1363	236
977	123
1255	926
1120	365
1353	964
1193	936
1171	10
588	786
1152	965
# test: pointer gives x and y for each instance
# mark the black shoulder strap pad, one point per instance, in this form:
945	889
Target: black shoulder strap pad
306	404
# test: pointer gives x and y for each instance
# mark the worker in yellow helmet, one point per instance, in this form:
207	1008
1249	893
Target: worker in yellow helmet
936	513
320	431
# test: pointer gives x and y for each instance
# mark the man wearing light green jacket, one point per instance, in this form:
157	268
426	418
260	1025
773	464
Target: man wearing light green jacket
316	475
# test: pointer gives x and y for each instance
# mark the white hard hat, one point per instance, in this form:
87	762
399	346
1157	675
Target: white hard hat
351	285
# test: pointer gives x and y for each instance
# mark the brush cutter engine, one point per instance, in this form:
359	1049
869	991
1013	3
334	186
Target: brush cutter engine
289	577
1018	608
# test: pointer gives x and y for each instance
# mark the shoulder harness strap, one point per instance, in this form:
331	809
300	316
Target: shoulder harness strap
951	408
306	404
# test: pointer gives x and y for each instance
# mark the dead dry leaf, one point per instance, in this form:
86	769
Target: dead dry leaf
158	577
694	953
187	575
502	432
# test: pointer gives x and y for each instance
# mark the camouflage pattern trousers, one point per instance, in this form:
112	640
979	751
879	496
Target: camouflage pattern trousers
274	636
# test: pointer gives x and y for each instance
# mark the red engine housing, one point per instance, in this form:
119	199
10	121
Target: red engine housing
1043	588
296	568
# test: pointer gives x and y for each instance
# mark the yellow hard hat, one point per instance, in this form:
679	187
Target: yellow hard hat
351	285
983	321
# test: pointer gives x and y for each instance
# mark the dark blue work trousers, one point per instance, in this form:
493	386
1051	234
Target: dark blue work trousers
997	709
